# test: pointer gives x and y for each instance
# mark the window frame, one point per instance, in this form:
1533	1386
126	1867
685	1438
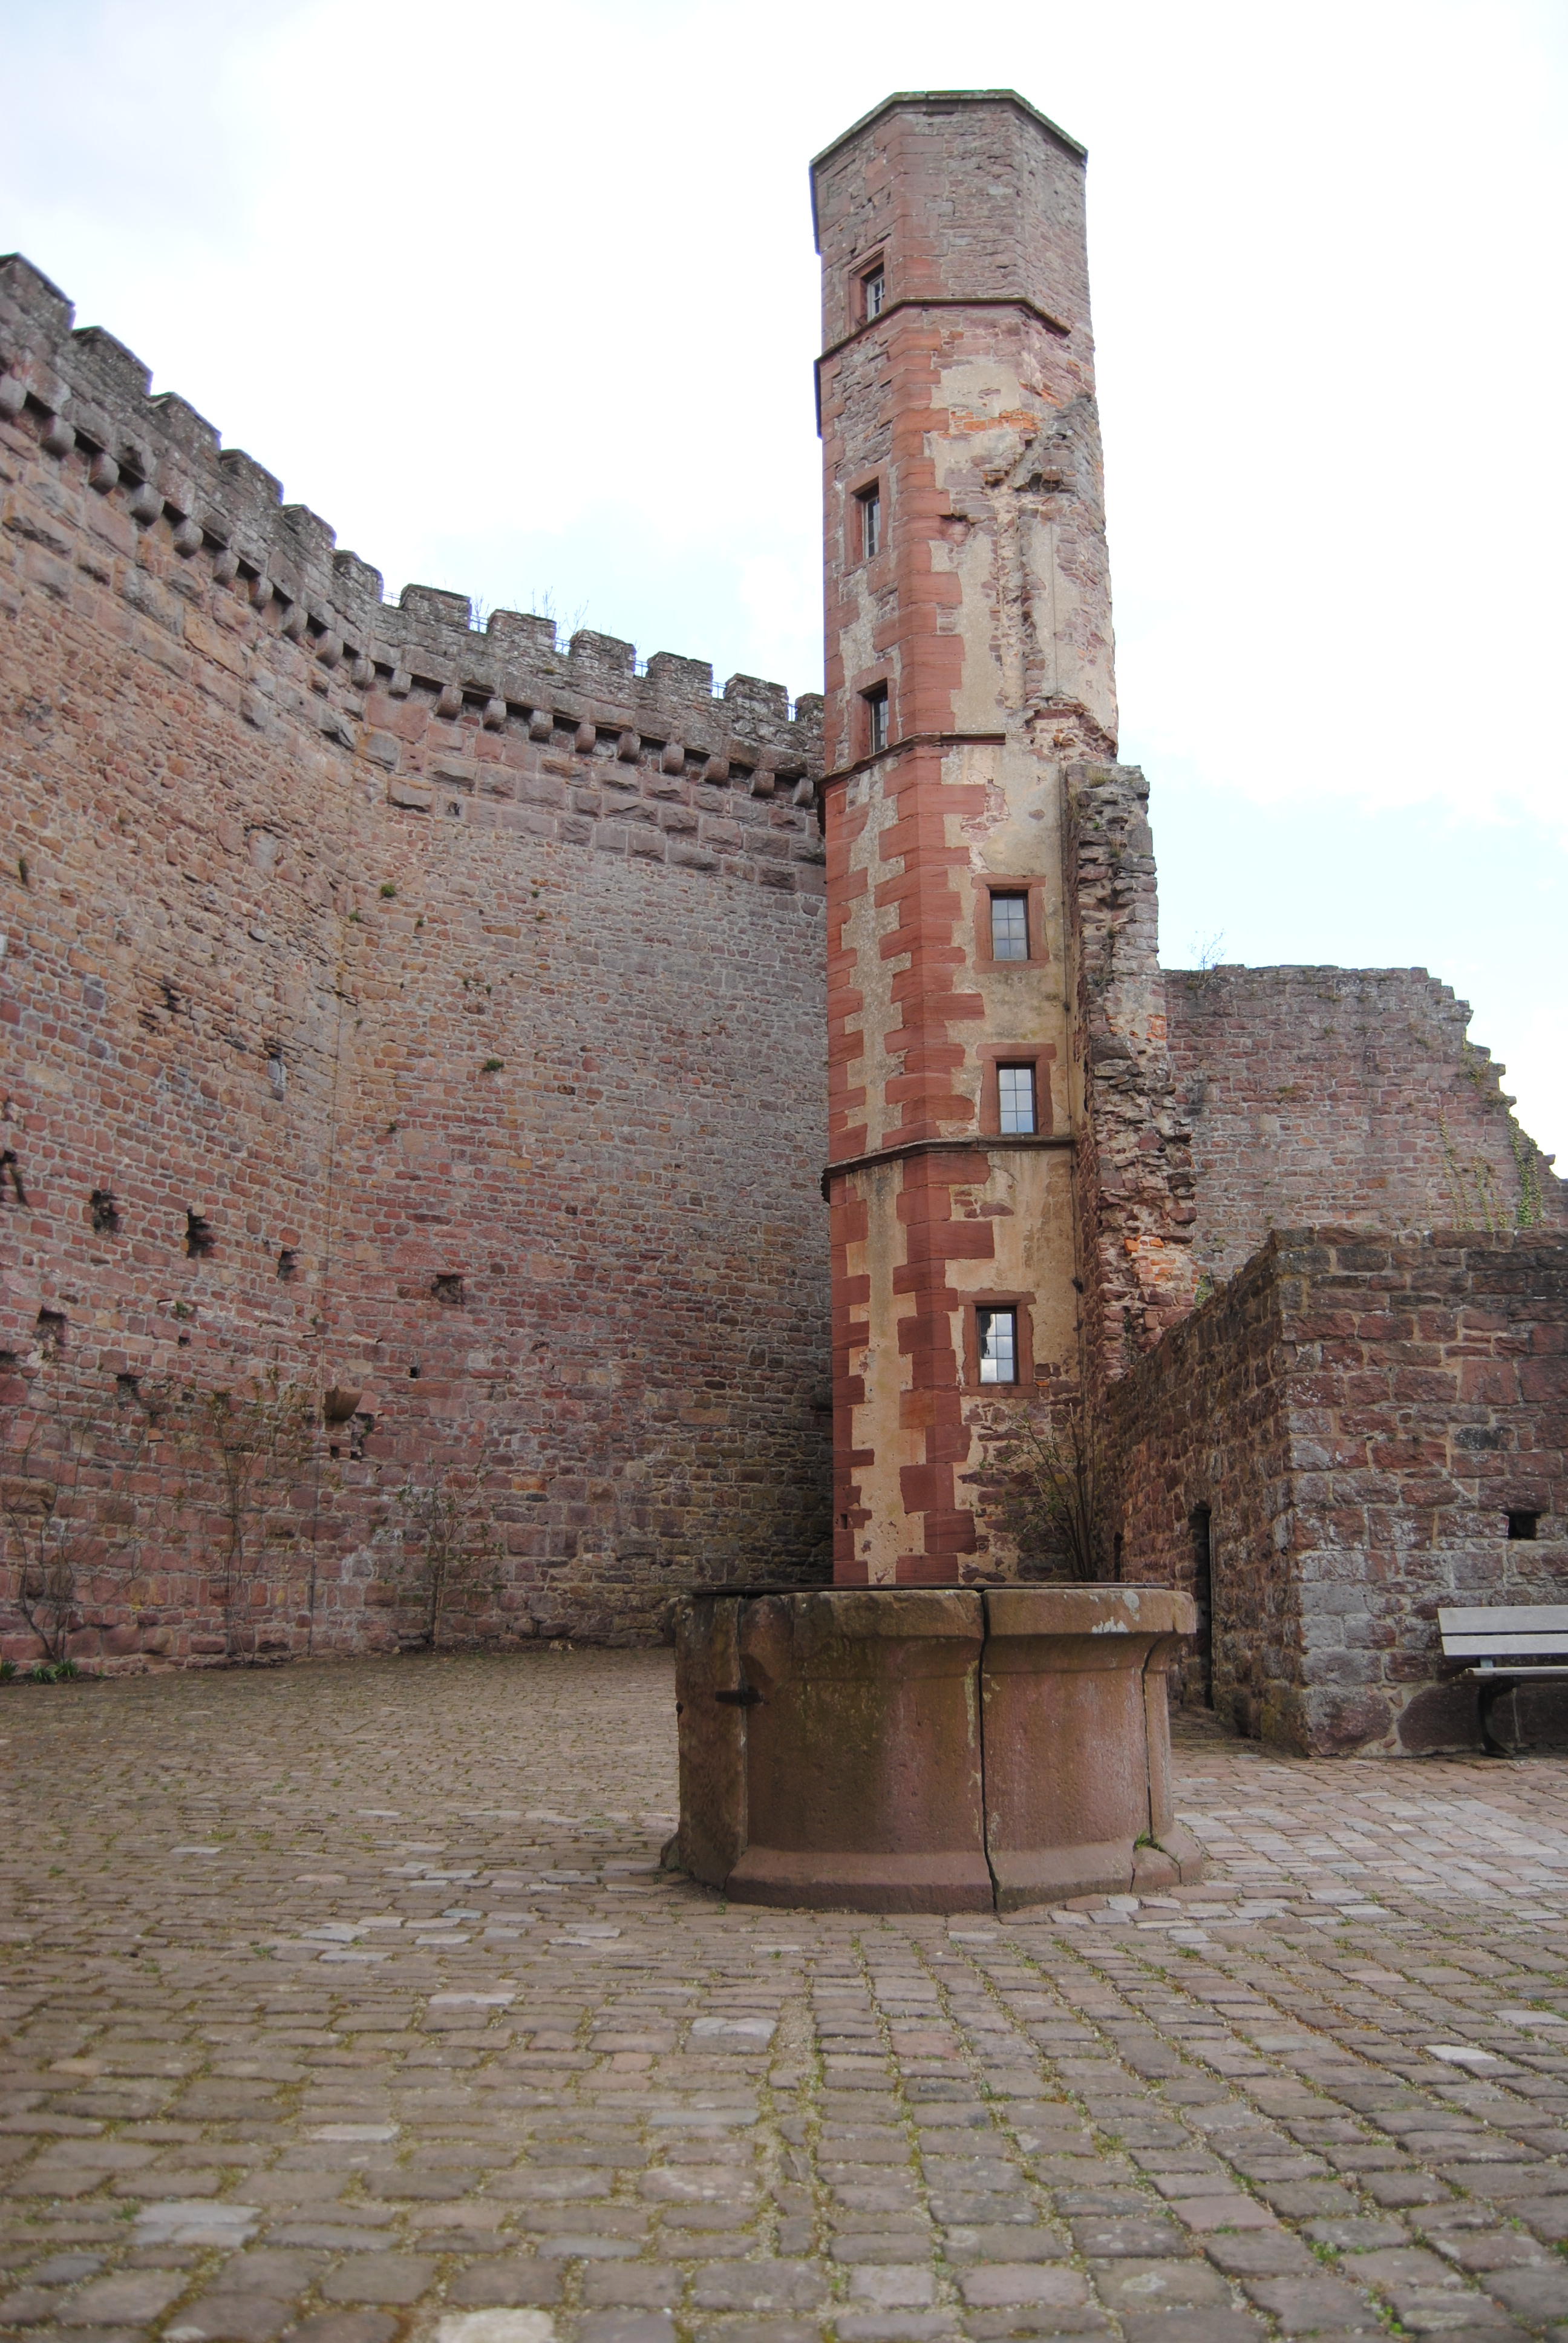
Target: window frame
997	895
993	1056
992	1312
870	306
870	500
992	883
1023	1308
1027	1066
877	702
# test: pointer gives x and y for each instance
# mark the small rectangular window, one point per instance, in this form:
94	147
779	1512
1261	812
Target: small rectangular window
1010	926
876	720
873	287
1524	1525
998	1331
870	524
1015	1097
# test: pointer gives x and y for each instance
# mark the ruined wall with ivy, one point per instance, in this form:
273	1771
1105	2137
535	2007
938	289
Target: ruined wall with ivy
1351	1094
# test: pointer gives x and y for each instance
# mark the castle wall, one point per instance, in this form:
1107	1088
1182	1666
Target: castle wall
1317	1093
433	1018
434	1015
1360	1414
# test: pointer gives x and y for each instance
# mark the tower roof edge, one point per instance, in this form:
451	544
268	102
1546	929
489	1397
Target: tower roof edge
949	98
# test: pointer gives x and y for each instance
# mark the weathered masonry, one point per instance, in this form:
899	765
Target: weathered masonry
434	1015
462	1032
969	738
1043	1149
1045	1153
1353	1431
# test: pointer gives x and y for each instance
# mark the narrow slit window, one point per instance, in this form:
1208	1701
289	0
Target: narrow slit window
870	524
876	720
1015	1097
1010	926
874	292
998	1331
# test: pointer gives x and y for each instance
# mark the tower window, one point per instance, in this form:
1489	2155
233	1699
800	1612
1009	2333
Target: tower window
876	720
1015	1098
874	292
1010	926
1524	1525
998	1331
870	503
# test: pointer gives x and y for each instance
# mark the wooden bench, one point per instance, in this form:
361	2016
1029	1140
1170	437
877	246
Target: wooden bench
1510	1644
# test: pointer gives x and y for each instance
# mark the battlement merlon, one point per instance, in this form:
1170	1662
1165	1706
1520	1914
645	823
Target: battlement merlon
91	393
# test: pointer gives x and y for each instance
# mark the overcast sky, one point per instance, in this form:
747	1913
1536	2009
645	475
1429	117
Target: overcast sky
523	301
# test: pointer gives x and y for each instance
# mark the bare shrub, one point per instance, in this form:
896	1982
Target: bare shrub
1051	1493
250	1441
69	1456
450	1560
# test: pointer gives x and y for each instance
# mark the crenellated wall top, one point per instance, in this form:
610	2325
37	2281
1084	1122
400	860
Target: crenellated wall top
88	392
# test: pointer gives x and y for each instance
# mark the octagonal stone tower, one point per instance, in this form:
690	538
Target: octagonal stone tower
919	1737
968	665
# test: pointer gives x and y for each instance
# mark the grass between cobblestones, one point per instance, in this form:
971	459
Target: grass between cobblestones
346	2002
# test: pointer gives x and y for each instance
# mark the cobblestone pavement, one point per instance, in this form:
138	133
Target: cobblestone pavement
347	2000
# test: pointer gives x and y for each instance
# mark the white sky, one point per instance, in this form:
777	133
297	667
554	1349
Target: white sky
523	301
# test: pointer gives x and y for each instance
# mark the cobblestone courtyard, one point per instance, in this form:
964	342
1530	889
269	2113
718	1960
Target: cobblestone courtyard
347	2000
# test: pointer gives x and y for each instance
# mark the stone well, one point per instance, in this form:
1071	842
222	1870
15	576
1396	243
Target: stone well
930	1749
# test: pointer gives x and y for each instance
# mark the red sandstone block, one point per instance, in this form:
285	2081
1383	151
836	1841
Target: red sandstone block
926	1569
951	1533
925	1487
919	893
929	1052
1410	1385
926	1345
1489	1384
917	1409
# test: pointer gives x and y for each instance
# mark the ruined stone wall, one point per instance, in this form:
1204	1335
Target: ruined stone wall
434	1015
1361	1413
1133	1164
1200	1422
1333	1094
